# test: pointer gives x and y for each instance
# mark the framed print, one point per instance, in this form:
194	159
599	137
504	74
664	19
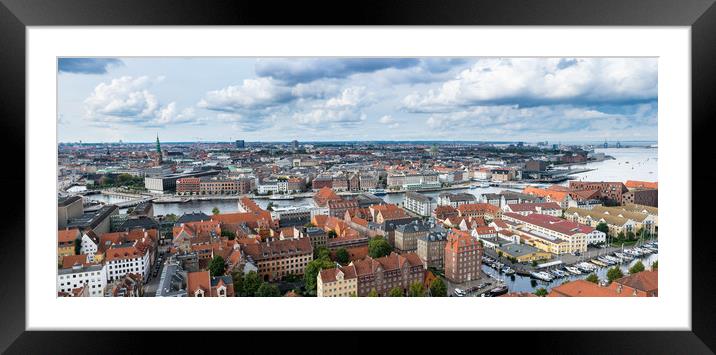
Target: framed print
495	170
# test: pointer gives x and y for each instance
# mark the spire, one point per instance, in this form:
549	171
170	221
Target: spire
159	147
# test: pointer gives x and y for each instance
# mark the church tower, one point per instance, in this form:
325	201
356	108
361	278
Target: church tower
159	151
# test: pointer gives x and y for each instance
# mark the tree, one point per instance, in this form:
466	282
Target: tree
499	254
269	207
417	289
603	227
342	256
171	217
312	270
309	225
332	234
541	292
637	267
252	282
229	234
620	236
215	210
217	266
78	246
655	265
268	290
630	235
238	278
593	278
321	253
534	263
373	293
614	273
379	247
438	288
395	292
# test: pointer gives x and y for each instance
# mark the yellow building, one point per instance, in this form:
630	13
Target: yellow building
337	282
66	243
523	253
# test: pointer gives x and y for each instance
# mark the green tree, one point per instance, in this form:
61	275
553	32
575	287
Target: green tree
395	292
637	267
342	256
268	290
312	270
379	247
217	266
603	227
373	293
655	265
534	263
614	273
417	289
238	278
541	292
621	235
215	210
593	278
171	217
269	207
499	254
630	235
438	288
252	282
229	234
78	246
332	234
321	253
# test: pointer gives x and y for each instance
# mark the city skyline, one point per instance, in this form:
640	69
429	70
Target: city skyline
357	99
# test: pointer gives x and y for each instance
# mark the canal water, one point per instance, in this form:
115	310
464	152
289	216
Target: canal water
518	283
629	164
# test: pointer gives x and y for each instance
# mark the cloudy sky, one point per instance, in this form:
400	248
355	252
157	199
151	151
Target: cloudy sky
325	99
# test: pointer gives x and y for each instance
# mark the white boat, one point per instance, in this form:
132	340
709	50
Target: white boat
573	270
484	184
542	276
377	192
597	262
281	197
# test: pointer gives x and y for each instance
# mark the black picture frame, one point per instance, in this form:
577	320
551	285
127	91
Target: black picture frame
699	15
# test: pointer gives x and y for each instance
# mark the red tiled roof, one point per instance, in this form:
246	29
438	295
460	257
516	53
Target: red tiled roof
642	184
647	281
584	288
67	235
553	223
198	280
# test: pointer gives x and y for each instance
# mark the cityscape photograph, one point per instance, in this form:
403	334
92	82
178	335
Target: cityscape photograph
357	177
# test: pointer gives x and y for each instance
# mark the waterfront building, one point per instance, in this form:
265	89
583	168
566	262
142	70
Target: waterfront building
553	234
643	284
418	203
548	208
455	200
402	180
324	195
612	192
593	217
338	208
99	221
444	212
68	208
463	257
523	252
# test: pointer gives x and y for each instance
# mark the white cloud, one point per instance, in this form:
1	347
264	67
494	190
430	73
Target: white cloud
251	94
345	109
531	82
127	100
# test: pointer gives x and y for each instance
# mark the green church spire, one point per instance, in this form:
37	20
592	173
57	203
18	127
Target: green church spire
159	147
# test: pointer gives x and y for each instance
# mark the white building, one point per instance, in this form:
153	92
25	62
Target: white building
94	276
418	203
135	257
89	245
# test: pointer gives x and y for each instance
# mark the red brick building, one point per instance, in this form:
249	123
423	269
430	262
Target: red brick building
611	191
463	257
388	272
